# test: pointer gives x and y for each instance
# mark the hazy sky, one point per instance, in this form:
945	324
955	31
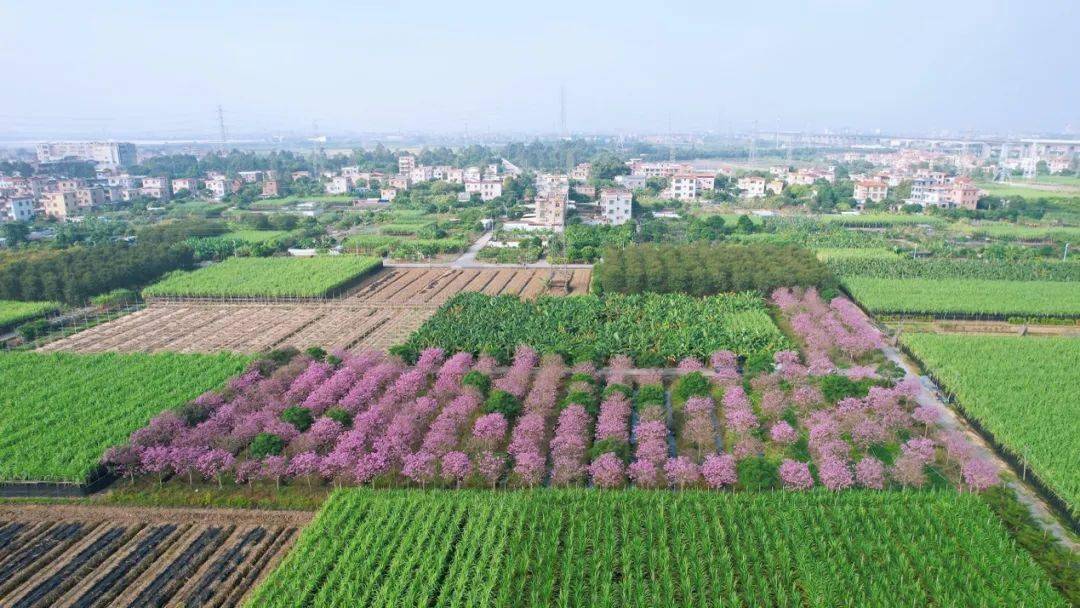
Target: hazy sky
115	69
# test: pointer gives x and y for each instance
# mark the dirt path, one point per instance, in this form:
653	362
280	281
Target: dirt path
32	513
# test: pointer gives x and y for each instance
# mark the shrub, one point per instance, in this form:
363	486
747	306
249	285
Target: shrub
316	353
194	413
34	329
266	444
618	388
341	415
300	417
477	380
694	384
759	363
757	474
836	387
503	403
650	394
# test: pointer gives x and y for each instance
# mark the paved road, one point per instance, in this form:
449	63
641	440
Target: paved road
469	257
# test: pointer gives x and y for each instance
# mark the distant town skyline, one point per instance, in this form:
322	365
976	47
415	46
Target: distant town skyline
129	70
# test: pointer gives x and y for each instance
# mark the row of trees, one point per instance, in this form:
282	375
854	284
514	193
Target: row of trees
704	269
76	273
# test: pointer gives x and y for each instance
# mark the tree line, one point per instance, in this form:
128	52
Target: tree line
74	274
704	269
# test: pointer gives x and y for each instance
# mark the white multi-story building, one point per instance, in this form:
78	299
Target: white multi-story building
581	172
185	183
17	209
663	169
111	155
631	182
871	190
421	173
251	177
406	164
752	186
157	187
487	188
616	205
219	188
950	193
552	182
338	184
683	187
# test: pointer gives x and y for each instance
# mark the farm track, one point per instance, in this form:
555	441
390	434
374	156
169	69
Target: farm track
380	312
69	555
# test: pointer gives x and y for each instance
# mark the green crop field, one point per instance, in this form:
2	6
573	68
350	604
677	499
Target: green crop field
966	296
1024	390
1000	230
881	220
654	329
12	313
640	548
61	411
953	268
832	254
251	236
267	277
1020	189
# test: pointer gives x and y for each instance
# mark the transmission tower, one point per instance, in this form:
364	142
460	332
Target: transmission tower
753	143
562	110
1032	162
221	125
1003	173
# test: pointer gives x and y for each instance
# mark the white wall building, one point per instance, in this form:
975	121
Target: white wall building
110	155
616	205
17	209
487	188
752	186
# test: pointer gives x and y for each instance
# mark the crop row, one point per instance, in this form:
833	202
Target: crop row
12	313
966	296
633	548
400	247
1025	391
654	329
269	277
1001	270
61	411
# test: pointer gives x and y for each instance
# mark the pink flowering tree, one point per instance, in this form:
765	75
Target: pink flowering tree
795	475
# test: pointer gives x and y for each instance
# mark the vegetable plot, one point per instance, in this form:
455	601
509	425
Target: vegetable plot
654	329
61	411
634	548
1026	391
267	277
966	297
12	313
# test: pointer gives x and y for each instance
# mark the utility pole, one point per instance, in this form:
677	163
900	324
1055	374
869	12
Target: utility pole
221	125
